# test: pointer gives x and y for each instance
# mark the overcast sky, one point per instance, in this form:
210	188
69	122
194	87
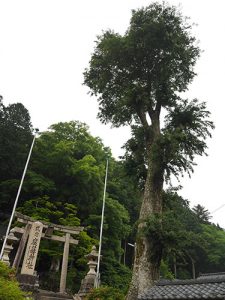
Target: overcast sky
45	46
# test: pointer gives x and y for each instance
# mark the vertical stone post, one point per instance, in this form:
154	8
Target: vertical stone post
31	253
64	264
21	247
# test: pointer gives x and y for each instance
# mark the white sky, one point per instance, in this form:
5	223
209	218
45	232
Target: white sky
46	44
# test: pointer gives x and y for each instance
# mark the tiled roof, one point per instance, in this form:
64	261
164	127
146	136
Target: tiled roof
207	286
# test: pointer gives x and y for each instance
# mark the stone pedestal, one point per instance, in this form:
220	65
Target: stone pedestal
29	283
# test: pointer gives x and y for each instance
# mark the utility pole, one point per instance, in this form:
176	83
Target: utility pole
101	228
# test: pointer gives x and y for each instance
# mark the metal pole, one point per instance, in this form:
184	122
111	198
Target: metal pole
17	197
101	228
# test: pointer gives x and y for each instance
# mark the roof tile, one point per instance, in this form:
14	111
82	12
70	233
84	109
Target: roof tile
207	286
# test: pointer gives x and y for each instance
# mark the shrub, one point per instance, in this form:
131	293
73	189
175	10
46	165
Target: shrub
105	293
9	287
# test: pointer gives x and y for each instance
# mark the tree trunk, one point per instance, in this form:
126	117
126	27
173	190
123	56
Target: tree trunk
125	252
193	269
55	264
147	251
175	266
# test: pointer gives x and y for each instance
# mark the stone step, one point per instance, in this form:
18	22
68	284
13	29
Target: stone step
53	298
45	295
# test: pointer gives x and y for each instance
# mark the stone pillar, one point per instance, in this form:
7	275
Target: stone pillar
62	288
31	253
28	277
21	247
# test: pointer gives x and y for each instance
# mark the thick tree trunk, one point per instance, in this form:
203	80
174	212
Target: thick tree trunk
147	252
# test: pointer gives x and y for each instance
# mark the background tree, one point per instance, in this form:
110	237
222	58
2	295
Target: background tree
202	213
135	76
180	235
15	140
64	185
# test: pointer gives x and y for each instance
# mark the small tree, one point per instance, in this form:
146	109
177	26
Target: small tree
136	76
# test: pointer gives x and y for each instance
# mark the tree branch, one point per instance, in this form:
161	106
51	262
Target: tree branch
158	107
142	117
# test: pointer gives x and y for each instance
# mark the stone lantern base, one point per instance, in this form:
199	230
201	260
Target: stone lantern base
86	285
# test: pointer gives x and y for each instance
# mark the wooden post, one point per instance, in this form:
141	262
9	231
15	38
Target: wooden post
64	264
21	247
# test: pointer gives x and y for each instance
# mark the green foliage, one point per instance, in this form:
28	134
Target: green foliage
67	157
168	234
165	271
187	127
152	61
6	272
201	213
117	218
36	184
42	208
15	141
213	258
115	274
64	185
134	77
105	293
179	235
122	187
116	227
9	287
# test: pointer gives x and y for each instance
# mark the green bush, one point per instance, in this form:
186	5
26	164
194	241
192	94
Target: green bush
115	275
105	293
9	287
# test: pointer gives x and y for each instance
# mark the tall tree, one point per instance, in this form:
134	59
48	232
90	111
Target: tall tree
135	76
15	140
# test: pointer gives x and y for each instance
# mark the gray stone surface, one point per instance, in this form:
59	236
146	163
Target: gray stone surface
31	253
45	295
64	264
28	282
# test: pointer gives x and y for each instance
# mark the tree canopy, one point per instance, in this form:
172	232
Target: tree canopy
15	139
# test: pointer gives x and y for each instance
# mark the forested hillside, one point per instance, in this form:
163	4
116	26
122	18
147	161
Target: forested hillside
64	185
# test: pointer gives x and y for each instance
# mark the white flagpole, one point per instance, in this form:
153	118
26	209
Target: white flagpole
101	228
17	197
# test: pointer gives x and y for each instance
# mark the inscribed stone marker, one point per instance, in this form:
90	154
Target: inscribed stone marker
32	249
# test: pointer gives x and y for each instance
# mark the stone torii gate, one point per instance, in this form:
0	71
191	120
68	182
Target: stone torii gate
31	237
